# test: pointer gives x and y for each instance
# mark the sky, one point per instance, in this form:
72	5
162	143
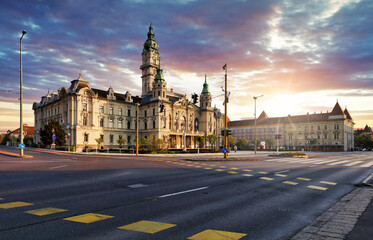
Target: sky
303	56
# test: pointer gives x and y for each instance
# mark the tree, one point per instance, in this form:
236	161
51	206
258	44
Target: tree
121	142
231	141
242	143
99	142
5	139
364	140
46	133
143	141
212	138
257	142
270	142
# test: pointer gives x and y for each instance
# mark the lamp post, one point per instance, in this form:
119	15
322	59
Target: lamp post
21	94
255	97
225	111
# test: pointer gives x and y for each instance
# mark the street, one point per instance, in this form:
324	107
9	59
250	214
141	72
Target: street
66	196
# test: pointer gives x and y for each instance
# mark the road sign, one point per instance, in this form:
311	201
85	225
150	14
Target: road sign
54	137
21	146
224	150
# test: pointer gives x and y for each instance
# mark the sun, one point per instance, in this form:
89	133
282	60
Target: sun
282	105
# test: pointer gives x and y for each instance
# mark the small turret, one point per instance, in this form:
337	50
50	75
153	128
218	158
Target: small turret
205	98
159	87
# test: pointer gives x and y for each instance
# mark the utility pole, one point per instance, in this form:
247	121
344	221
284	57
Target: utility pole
137	129
21	94
225	112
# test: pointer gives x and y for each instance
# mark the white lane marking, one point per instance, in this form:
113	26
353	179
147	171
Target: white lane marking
187	191
367	164
324	161
59	166
283	171
335	163
353	163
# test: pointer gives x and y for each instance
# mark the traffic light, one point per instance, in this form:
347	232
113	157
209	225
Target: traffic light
195	98
229	132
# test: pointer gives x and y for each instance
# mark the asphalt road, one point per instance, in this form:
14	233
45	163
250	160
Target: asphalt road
168	198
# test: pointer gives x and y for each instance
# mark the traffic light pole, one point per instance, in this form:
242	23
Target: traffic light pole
137	129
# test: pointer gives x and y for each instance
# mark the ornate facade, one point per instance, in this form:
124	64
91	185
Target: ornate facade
87	113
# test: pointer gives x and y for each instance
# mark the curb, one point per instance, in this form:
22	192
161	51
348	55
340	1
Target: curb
15	155
339	220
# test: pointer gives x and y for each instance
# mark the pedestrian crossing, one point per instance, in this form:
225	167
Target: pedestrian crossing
345	161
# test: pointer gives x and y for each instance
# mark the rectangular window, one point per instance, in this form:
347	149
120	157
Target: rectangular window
318	127
129	112
318	136
86	137
84	106
120	136
154	124
120	125
111	123
120	112
325	136
102	109
111	111
129	125
336	135
128	139
153	111
101	122
325	127
111	138
145	113
336	126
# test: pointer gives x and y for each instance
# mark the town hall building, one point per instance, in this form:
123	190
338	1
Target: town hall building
87	113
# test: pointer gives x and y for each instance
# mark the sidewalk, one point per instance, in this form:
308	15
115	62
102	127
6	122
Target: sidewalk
350	218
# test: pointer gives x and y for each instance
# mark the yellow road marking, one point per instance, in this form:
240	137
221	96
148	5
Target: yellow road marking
267	178
280	175
247	175
45	211
207	168
88	218
263	172
231	172
248	170
147	226
290	183
329	183
304	179
198	166
210	234
14	205
219	170
223	166
317	187
212	165
234	168
1	198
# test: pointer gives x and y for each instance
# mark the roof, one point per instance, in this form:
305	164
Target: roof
28	129
337	110
347	114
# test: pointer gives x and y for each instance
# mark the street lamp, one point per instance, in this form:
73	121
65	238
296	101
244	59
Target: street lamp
255	97
225	111
21	95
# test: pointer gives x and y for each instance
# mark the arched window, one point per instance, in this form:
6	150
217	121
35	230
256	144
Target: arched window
129	125
85	121
196	124
153	124
145	125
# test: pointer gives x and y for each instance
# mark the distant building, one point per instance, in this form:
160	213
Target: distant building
367	129
316	132
28	131
87	113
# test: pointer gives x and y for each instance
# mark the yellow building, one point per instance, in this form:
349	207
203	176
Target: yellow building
330	131
87	113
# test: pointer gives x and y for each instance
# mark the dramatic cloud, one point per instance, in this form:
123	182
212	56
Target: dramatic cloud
302	55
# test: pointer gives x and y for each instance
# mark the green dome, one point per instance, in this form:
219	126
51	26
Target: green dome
150	43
